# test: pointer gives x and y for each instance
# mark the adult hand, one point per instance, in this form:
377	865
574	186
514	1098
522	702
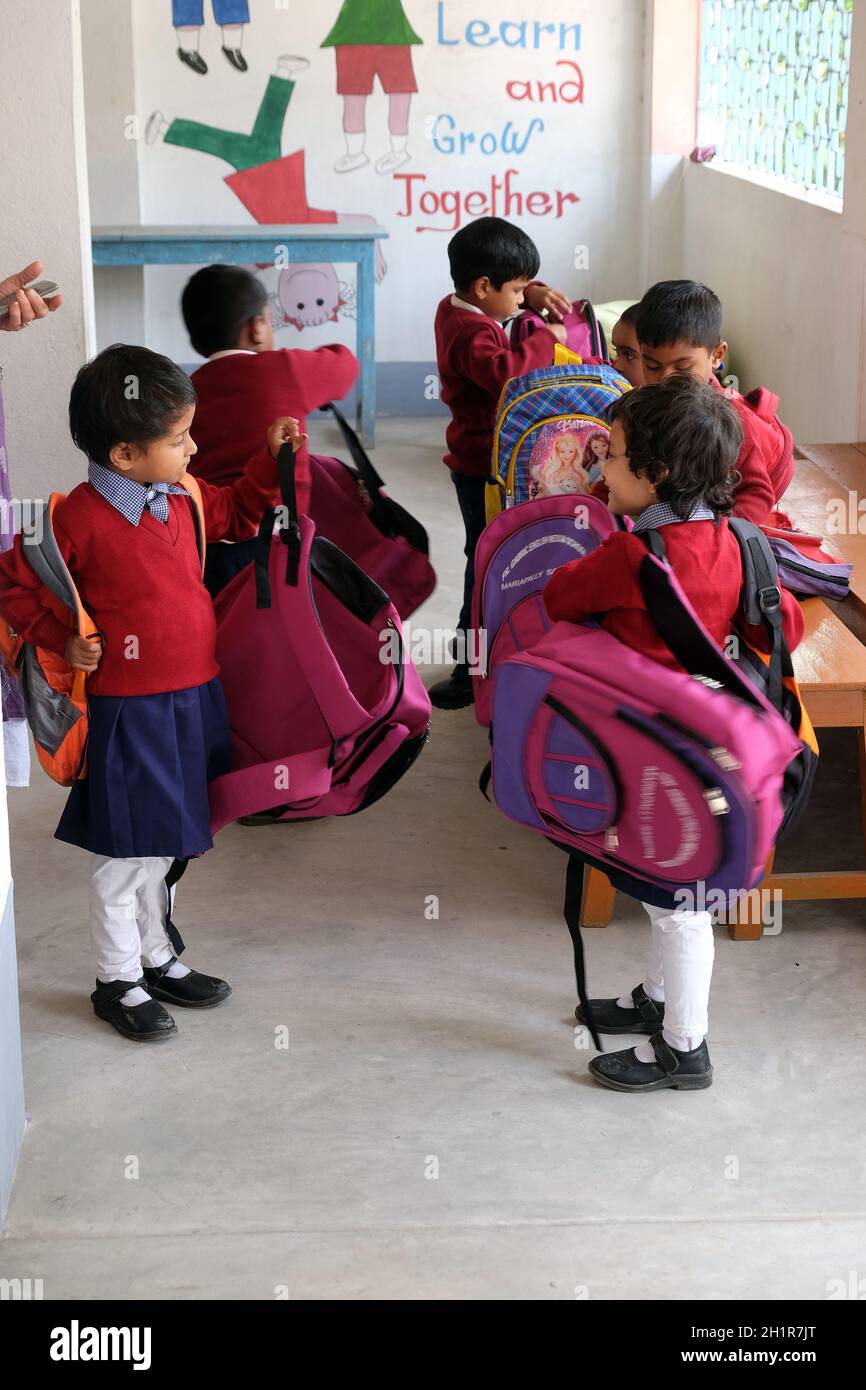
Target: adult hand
556	302
27	305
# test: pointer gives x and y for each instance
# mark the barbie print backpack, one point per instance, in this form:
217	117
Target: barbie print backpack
550	432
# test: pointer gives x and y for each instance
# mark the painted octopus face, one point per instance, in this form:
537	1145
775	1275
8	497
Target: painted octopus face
309	294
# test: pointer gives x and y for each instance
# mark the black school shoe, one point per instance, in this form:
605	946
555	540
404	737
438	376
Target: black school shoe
141	1022
236	58
646	1017
455	692
193	59
192	991
671	1070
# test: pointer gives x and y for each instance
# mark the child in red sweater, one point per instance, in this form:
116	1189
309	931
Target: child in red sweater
672	452
679	328
158	727
246	383
492	266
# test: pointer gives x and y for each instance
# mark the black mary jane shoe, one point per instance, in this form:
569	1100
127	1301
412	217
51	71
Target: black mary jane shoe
147	1022
193	59
236	58
646	1017
671	1070
192	991
455	692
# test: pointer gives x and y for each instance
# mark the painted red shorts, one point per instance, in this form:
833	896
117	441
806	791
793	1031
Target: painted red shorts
358	65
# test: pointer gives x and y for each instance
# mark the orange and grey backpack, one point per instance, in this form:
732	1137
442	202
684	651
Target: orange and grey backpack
55	695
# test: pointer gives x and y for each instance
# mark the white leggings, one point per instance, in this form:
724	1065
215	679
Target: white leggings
680	971
128	902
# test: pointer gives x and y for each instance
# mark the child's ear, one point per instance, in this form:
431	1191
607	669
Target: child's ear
123	456
718	356
481	287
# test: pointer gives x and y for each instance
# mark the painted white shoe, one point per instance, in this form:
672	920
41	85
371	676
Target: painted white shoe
156	127
391	161
347	162
287	63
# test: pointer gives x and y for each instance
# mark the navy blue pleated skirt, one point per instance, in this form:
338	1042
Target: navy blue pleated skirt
149	760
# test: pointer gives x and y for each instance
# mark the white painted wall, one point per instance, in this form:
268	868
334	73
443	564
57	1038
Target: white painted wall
791	277
594	149
45	215
112	158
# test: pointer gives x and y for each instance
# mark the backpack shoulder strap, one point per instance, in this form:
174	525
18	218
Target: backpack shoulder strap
679	627
761	598
42	554
195	497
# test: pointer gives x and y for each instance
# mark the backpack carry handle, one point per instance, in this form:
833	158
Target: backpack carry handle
290	533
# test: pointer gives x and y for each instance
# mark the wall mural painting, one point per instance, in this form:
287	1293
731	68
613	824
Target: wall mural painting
373	38
187	16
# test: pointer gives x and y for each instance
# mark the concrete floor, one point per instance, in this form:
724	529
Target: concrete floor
219	1166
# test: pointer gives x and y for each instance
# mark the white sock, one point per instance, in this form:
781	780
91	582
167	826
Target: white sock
644	1051
355	141
232	34
652	992
399	142
134	995
176	971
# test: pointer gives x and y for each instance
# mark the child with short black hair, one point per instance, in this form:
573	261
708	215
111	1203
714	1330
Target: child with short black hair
247	382
158	727
625	348
672	452
679	328
493	268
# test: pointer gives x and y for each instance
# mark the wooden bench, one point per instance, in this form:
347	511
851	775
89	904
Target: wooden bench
830	665
825	475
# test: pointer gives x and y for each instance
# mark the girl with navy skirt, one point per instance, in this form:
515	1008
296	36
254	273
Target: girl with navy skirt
158	725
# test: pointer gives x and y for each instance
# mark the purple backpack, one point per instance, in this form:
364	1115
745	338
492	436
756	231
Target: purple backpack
349	506
805	568
326	709
585	335
515	556
670	781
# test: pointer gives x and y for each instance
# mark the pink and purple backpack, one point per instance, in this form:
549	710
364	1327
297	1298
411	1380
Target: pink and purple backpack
326	709
585	335
676	783
515	556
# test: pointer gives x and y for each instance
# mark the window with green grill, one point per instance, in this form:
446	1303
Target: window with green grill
774	88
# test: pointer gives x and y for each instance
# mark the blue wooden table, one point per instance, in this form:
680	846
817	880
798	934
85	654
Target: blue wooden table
275	245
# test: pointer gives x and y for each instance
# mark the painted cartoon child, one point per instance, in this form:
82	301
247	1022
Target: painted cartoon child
307	296
187	16
373	40
272	186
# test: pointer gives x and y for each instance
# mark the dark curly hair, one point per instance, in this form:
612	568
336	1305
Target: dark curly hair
685	437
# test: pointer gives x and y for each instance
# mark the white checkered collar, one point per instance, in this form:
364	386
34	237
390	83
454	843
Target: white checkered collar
124	494
663	514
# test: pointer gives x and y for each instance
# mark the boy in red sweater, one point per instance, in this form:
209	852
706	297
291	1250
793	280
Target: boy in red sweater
157	721
493	264
679	328
673	447
245	384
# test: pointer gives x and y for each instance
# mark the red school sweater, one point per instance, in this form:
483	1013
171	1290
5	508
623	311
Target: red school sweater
475	359
141	582
766	458
705	557
240	395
